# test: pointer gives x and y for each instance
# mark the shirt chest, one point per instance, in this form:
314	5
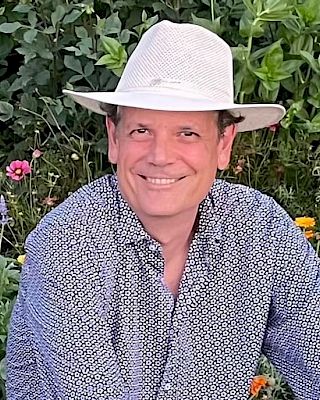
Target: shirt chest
217	320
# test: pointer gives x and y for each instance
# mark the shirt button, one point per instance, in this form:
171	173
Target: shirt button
167	386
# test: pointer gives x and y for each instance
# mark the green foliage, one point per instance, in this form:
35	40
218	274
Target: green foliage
9	281
49	45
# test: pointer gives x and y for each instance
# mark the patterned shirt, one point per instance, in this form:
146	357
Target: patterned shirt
94	321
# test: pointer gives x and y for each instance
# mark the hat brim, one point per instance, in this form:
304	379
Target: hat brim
256	116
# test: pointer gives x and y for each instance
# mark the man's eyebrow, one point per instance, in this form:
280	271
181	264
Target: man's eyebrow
187	127
139	124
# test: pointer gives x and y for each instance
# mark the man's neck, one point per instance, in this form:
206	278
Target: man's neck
174	233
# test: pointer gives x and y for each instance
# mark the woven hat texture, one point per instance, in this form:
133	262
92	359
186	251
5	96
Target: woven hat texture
181	67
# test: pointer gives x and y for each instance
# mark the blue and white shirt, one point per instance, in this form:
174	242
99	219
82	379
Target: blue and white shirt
94	321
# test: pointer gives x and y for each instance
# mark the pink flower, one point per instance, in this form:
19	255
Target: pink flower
50	201
18	169
37	153
274	128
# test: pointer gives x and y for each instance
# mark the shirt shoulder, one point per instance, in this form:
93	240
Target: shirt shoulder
245	207
81	211
243	200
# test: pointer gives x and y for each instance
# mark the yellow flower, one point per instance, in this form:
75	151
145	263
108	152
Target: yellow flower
305	222
21	259
309	234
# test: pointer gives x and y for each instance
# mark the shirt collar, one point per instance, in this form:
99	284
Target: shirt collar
129	229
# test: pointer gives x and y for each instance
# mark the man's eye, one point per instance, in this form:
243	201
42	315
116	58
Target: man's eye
188	134
139	132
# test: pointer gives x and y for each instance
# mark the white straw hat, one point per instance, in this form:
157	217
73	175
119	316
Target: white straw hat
181	67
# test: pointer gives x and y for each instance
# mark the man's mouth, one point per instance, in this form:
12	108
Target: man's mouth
160	181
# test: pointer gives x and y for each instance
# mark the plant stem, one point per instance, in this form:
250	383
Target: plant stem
1	235
212	11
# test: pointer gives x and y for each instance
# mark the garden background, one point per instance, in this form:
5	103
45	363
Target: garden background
48	45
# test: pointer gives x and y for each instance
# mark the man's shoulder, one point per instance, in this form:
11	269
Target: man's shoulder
244	202
92	202
236	195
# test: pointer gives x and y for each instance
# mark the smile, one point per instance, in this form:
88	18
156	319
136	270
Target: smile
160	181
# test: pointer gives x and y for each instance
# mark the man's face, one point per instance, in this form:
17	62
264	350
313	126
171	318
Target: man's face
167	160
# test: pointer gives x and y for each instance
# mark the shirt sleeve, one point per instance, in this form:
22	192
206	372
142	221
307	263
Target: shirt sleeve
22	379
292	339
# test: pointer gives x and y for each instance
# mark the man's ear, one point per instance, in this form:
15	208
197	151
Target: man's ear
112	141
225	146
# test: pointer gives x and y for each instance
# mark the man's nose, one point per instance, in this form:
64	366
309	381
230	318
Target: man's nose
161	151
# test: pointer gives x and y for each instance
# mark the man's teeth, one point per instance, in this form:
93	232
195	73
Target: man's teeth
161	181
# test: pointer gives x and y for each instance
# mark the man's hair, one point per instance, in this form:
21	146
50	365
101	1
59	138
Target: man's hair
225	117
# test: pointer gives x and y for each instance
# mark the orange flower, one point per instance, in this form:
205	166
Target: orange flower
309	234
305	222
258	383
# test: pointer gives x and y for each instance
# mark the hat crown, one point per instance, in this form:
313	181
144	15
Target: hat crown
180	57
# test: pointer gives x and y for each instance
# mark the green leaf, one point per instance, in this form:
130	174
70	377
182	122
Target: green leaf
10	27
28	102
17	84
104	60
144	16
57	15
81	32
30	35
125	36
75	78
32	18
73	63
45	53
28	53
310	60
42	78
248	83
112	24
316	118
273	58
269	90
293	25
6	111
279	16
213	26
49	31
250	7
3	369
74	49
3	262
249	28
2	10
89	68
22	8
110	45
73	16
6	45
309	11
291	66
289	84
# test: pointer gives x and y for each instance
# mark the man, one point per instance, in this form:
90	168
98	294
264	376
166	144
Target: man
162	282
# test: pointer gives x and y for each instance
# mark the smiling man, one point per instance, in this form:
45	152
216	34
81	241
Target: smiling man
166	163
161	282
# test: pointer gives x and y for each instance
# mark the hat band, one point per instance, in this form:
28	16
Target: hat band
220	96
